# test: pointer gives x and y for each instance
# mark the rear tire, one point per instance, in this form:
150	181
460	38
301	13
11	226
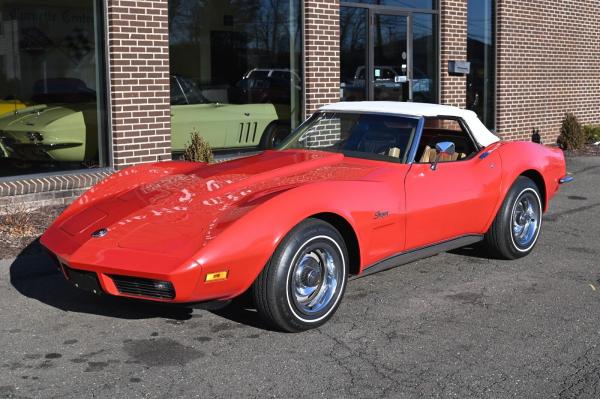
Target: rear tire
274	134
517	225
303	284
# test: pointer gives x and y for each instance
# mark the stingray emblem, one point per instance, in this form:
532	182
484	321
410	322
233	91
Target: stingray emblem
381	214
100	233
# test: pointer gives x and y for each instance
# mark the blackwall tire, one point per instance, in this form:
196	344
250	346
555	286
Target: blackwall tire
517	226
274	134
302	285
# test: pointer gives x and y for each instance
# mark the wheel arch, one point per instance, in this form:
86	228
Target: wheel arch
539	181
349	236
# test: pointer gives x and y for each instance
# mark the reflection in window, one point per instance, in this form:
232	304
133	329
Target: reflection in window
235	71
425	58
353	53
423	4
49	86
481	47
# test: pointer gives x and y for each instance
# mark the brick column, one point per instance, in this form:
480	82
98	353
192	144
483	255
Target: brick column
138	50
453	42
321	53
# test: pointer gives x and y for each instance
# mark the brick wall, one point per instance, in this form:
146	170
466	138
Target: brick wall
322	53
453	44
548	64
45	191
138	41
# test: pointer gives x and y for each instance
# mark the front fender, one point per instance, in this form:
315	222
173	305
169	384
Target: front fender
246	245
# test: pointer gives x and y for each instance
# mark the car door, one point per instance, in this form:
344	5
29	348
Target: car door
456	199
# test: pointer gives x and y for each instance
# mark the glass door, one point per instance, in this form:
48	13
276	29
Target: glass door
391	58
375	55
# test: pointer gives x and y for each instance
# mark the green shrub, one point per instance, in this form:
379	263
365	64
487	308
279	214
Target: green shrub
198	150
592	133
572	136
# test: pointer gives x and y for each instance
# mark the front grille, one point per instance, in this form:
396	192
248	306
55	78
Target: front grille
144	287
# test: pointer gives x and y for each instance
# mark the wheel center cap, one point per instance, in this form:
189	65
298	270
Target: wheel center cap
313	277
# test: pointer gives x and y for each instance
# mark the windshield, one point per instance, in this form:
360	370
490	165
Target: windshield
184	91
372	136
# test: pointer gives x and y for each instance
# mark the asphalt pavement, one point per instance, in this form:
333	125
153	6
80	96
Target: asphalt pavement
454	325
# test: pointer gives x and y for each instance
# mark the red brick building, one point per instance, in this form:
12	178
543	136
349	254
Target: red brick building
90	86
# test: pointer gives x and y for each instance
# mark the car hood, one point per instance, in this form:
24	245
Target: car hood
180	213
35	118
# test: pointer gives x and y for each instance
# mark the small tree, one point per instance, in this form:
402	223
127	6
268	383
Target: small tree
572	136
198	150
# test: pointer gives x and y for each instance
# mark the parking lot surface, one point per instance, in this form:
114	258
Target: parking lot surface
453	325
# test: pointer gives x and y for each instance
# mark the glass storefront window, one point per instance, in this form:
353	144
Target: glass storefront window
51	86
422	4
236	72
481	52
353	53
425	58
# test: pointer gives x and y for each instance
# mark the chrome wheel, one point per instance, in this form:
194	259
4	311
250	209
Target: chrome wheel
315	275
526	219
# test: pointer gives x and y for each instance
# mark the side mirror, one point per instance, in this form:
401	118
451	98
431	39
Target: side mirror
445	149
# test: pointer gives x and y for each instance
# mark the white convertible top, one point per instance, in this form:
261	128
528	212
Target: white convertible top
481	133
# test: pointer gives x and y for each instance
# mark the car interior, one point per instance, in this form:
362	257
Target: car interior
437	130
386	136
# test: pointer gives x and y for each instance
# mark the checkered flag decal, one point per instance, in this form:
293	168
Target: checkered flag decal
77	44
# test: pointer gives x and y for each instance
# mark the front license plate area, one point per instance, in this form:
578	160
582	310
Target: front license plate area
87	281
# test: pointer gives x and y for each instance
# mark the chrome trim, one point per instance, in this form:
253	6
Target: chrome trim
414	146
566	179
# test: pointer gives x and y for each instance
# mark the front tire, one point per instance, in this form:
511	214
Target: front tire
517	225
303	283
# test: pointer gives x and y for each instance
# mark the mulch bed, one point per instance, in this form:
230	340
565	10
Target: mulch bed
19	228
589	150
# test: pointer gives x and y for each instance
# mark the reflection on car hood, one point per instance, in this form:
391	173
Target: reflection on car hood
178	214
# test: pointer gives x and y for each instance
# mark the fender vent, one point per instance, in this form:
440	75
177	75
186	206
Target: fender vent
144	287
248	132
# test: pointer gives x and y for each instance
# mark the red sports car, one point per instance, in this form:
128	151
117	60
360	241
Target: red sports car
358	188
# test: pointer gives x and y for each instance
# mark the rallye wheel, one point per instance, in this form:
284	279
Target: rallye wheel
517	225
304	281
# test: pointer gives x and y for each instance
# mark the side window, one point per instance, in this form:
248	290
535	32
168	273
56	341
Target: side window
437	130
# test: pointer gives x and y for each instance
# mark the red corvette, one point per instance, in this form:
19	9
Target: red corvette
356	189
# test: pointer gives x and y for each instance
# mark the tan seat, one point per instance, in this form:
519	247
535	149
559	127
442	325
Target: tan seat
394	152
430	154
